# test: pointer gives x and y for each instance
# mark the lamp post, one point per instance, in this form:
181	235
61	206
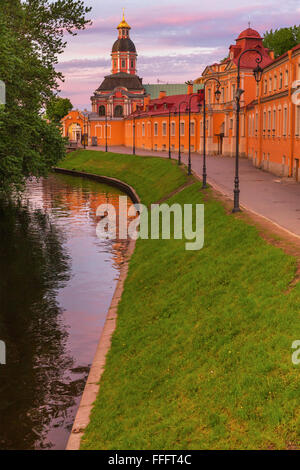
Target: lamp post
257	74
85	127
170	111
198	96
179	131
106	144
217	95
133	128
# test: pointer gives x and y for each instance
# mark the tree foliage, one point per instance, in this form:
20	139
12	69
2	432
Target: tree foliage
32	36
57	108
282	40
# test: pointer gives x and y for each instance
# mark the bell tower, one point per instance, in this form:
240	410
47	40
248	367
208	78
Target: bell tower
124	54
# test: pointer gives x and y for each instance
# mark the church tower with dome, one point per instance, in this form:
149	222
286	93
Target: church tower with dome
121	92
124	52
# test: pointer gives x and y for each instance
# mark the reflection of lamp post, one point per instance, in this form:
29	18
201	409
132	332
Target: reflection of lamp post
257	74
217	95
198	96
179	130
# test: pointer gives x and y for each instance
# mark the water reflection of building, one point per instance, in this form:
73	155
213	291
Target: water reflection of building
85	201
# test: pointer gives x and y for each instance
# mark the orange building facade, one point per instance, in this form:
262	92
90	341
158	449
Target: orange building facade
269	116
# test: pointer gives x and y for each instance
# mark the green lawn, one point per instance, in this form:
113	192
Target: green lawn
152	178
201	357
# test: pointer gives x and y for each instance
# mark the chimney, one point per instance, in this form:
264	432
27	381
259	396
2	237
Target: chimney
272	55
162	94
190	89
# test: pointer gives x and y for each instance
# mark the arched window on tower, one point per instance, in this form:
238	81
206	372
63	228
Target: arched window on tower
102	110
118	111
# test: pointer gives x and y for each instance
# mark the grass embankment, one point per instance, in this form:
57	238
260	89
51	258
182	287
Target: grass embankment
201	357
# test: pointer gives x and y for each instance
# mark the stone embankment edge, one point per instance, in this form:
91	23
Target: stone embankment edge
92	386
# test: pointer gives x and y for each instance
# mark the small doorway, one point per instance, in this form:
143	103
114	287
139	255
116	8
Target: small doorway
220	143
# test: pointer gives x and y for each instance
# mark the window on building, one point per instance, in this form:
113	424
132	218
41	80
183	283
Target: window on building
256	122
266	87
270	84
279	120
143	129
132	64
280	80
192	128
164	129
274	121
156	129
182	128
265	121
101	110
233	91
286	78
223	95
123	64
115	64
173	128
118	112
242	125
285	118
275	82
298	121
269	120
209	96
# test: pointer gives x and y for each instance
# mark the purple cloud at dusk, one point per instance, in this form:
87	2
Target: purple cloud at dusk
175	40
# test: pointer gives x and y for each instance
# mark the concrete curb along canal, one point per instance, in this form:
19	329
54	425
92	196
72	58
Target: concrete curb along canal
92	386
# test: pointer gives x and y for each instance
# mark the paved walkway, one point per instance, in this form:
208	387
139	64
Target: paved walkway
275	198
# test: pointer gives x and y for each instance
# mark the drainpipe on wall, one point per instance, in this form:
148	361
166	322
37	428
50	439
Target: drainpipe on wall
292	115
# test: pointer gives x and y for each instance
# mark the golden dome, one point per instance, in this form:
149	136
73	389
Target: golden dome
123	23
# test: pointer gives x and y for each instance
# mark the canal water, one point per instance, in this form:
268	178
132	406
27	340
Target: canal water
57	280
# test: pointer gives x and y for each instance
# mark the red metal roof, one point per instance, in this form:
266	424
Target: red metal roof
249	33
171	103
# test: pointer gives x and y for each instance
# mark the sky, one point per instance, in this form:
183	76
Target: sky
175	39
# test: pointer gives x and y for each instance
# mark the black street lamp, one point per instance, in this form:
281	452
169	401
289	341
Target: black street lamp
198	96
217	95
106	144
257	74
133	128
170	111
85	127
179	130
